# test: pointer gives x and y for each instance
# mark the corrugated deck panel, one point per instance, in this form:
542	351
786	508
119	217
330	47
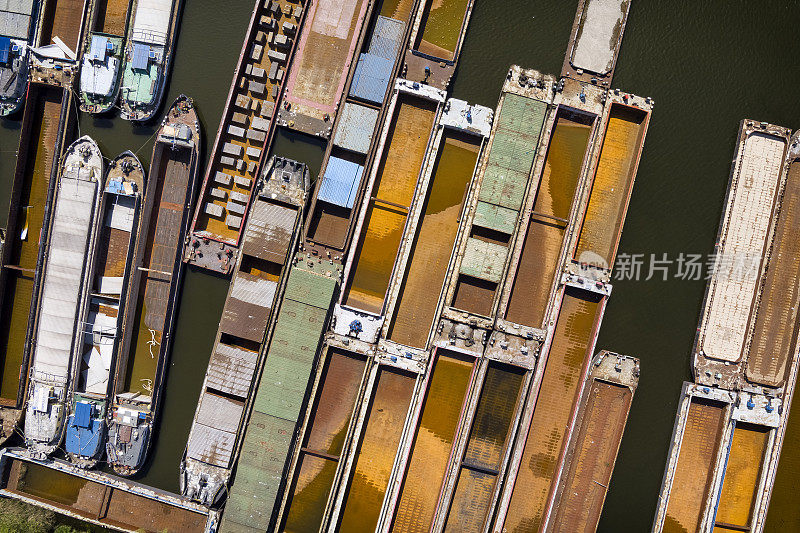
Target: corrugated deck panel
247	309
214	435
280	393
355	128
269	231
512	151
231	370
371	78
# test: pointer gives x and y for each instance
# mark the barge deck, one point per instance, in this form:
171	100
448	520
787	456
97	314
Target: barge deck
150	309
595	40
325	51
269	240
47	112
101	316
62	19
603	414
244	135
65	288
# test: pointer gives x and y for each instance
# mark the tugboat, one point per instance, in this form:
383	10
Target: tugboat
101	63
101	316
148	54
69	254
153	290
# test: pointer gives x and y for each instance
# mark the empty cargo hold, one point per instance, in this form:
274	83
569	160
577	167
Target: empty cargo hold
383	427
616	170
698	455
571	348
488	439
388	208
427	466
551	210
441	28
323	442
743	471
433	244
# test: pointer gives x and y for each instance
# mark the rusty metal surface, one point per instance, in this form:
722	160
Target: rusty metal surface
704	424
215	426
433	440
487	442
62	18
231	370
248	307
568	354
381	436
269	231
775	332
588	474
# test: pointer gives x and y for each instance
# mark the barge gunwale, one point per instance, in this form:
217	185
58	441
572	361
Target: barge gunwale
296	199
183	105
11	410
145	115
92	12
138	177
339	253
42	443
601	78
211	167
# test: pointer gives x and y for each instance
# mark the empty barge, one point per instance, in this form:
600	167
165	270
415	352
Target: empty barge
148	57
65	288
243	136
269	240
153	290
44	126
103	53
100	320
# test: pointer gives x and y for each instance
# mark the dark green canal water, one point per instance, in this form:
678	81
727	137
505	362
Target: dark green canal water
706	64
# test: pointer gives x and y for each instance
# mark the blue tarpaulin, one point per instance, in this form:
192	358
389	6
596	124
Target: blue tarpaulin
84	441
83	414
5	49
340	184
141	56
371	78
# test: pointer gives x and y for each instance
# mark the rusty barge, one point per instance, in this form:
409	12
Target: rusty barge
150	308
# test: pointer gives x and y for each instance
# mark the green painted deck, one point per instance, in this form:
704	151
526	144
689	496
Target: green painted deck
279	398
139	86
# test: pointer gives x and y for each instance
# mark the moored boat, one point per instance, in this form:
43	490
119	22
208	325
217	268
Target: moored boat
153	291
17	29
104	47
69	251
101	316
148	54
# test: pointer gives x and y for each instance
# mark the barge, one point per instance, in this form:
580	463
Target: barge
16	37
69	255
148	58
279	399
436	40
270	238
604	408
101	316
103	53
45	125
59	40
595	41
100	499
325	51
153	290
243	136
